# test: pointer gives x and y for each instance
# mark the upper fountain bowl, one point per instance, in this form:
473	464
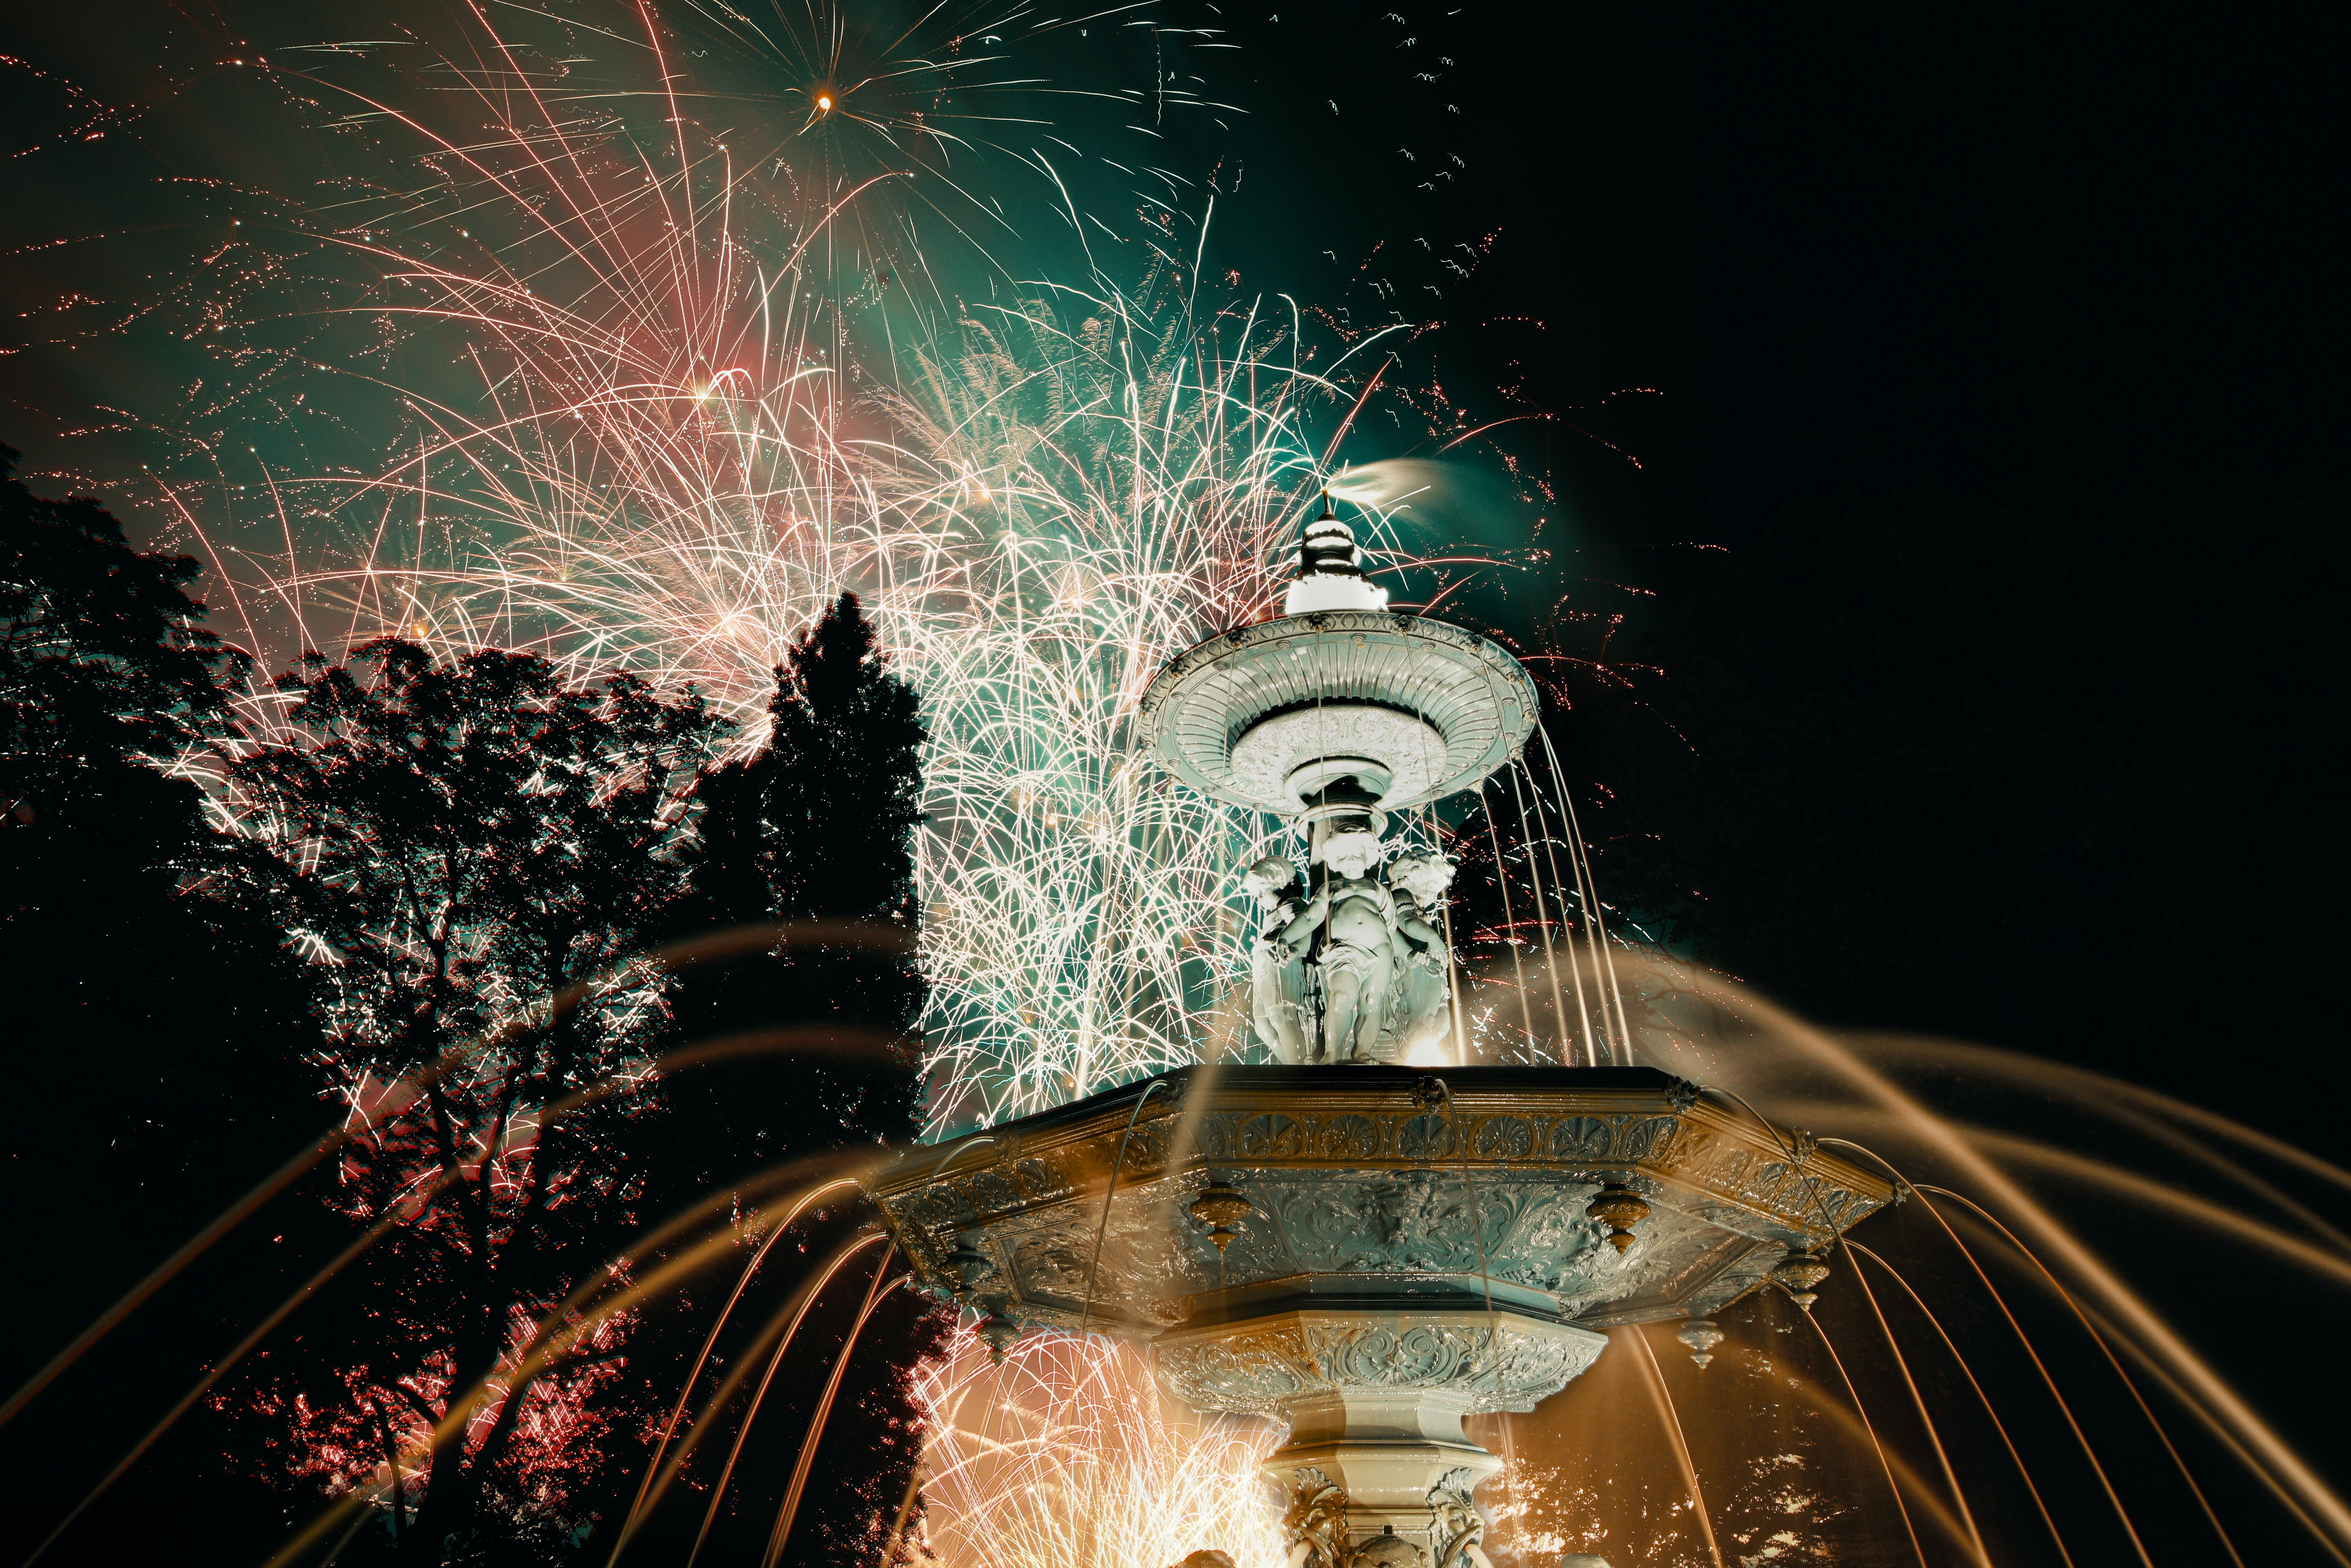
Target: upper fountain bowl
1266	716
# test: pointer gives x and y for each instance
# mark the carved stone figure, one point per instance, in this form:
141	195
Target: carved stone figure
1358	972
1361	955
1458	1528
1278	1003
1424	1007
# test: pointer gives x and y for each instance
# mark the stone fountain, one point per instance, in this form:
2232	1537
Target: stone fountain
1366	1250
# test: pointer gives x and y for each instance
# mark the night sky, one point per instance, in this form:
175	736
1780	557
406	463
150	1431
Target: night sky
2077	276
1951	407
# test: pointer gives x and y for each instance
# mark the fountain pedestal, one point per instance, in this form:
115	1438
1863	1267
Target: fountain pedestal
1366	1252
1377	1470
1403	1249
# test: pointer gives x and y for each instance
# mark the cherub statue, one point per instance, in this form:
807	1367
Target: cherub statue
1277	973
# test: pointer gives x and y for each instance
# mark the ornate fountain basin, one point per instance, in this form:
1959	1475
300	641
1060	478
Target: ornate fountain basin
1434	706
1369	1186
1411	1247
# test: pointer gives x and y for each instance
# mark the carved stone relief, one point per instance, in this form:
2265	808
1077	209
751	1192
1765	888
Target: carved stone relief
1258	1367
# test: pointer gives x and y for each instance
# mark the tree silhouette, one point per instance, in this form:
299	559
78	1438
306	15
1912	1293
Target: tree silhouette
154	1032
817	826
480	856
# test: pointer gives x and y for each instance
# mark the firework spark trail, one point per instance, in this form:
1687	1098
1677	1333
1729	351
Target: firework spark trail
669	464
1069	1453
1123	501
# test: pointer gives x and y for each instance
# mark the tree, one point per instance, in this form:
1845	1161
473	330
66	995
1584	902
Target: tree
155	1033
480	855
816	826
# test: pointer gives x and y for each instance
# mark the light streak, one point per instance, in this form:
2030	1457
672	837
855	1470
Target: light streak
658	397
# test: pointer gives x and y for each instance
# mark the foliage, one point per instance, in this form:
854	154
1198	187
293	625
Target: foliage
105	672
153	1032
815	826
480	855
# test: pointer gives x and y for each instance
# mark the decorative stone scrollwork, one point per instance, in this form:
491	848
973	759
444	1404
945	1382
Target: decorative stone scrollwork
1457	1527
1270	1137
1038	1179
1579	1138
1316	1523
991	1192
1349	1138
1425	1138
1258	1368
1505	1138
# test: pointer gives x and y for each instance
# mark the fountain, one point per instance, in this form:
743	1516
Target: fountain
1365	1250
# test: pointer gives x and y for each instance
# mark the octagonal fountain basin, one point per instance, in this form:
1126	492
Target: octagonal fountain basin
1367	1253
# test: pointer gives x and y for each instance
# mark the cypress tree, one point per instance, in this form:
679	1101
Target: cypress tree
806	846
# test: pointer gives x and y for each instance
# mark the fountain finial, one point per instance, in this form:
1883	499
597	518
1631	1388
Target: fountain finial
1331	569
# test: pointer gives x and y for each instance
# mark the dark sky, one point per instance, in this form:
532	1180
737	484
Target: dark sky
1853	245
2080	269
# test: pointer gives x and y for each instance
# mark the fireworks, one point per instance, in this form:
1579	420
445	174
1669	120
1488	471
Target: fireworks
655	411
659	436
1067	1453
677	336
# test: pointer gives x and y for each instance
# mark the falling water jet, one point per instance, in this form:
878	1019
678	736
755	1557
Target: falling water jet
2106	1339
1926	1418
163	1272
2318	1502
1542	922
798	1308
694	1375
2316	1497
791	1504
782	1326
243	1348
546	1345
1854	1427
1110	1191
2095	1091
2107	1333
2147	1127
534	1357
2188	1204
1998	1426
2033	1352
1653	1379
838	1042
1862	1413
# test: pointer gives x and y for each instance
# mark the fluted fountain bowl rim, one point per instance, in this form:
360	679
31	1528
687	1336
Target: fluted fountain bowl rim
1466	686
